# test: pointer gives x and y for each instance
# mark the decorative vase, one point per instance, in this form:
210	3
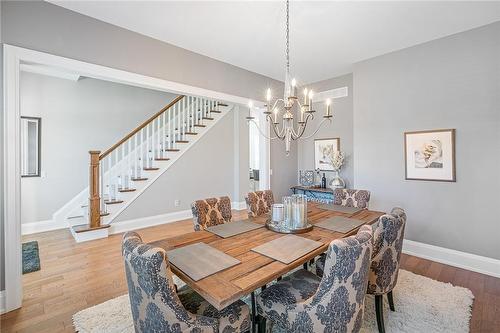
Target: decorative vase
337	182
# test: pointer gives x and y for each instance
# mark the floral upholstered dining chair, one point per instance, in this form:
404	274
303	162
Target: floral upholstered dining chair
388	235
303	302
351	198
210	212
259	202
157	307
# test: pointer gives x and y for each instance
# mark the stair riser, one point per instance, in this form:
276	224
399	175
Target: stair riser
128	197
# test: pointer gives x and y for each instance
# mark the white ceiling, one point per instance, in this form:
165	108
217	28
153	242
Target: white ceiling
327	38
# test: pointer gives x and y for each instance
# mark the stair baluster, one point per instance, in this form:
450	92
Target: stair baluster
114	170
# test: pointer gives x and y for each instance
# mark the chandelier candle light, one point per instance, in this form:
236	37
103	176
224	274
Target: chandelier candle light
290	104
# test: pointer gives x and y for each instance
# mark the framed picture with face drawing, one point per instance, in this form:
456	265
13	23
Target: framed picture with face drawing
323	150
430	155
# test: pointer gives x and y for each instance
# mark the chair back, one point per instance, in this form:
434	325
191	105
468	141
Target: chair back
210	212
339	300
351	198
153	300
259	202
388	235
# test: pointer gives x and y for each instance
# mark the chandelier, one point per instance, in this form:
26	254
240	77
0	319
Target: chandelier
289	129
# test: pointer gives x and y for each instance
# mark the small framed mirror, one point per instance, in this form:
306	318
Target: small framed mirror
30	146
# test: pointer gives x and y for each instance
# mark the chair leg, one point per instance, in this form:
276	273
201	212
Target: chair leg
254	314
305	266
379	303
262	324
391	300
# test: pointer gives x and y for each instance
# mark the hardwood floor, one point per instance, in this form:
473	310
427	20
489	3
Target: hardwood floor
76	276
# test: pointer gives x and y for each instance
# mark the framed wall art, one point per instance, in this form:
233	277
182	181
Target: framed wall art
323	150
430	155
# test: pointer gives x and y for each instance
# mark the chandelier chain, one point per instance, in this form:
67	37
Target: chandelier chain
287	35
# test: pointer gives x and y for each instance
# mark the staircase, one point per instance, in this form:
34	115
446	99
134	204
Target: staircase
120	174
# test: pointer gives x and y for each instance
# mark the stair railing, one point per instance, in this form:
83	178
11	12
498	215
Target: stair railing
113	171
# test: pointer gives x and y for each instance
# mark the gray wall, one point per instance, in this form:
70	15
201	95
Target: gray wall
76	117
206	170
341	127
284	168
453	82
49	28
41	26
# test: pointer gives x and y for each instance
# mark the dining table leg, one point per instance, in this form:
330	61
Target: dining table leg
254	315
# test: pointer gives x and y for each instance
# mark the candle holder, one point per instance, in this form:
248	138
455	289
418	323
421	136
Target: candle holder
294	217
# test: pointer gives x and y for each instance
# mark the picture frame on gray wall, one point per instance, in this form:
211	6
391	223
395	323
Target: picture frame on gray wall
323	149
430	155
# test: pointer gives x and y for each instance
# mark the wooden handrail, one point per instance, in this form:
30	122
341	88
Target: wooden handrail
137	129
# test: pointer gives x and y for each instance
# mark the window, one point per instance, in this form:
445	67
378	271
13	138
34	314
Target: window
30	146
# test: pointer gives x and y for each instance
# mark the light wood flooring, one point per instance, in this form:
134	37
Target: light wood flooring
76	276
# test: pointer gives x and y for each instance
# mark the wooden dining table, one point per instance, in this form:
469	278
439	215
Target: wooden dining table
255	270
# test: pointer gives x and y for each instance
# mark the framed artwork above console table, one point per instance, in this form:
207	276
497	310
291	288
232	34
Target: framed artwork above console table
313	193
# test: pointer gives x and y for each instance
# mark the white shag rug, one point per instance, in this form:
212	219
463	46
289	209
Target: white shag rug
422	305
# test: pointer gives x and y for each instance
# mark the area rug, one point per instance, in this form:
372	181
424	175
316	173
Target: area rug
31	257
422	305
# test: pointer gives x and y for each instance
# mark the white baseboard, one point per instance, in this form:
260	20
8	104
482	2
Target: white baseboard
42	226
239	205
2	301
144	222
150	221
471	262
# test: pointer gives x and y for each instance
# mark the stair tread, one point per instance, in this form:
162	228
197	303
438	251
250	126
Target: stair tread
126	189
215	111
172	149
85	227
182	141
208	118
191	133
151	169
162	159
139	179
222	104
199	125
114	202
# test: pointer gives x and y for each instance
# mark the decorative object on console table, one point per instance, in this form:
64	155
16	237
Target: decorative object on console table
337	160
323	152
323	181
314	193
306	177
430	155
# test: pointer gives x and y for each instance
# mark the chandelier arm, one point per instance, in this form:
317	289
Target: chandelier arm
317	129
260	130
279	134
303	126
295	134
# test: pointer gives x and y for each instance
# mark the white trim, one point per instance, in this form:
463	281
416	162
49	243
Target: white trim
150	221
12	180
2	301
238	205
471	262
89	235
119	76
154	177
333	93
12	58
49	71
42	226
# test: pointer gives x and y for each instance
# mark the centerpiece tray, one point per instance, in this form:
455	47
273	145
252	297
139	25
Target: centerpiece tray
283	229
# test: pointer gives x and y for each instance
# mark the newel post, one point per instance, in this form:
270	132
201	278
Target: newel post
94	195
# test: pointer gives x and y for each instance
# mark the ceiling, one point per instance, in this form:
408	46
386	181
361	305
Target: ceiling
326	38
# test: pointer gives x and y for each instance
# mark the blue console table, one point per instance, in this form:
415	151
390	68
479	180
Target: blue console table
316	194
